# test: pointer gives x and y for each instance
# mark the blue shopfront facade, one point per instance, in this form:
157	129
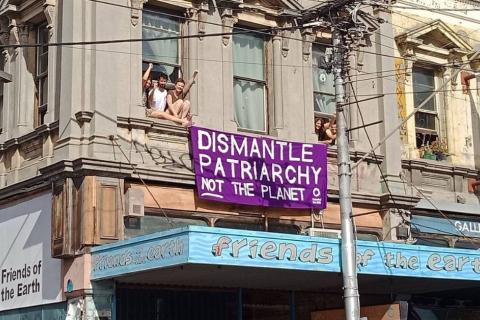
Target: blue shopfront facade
236	260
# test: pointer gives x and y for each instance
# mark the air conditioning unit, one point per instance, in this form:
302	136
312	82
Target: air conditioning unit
134	203
325	233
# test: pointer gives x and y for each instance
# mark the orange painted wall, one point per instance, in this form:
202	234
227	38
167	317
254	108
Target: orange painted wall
187	200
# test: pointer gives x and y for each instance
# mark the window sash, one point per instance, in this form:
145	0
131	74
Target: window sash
323	84
424	84
426	119
249	82
250	104
41	77
249	56
324	104
165	54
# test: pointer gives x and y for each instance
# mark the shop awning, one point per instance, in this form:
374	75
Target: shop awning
204	249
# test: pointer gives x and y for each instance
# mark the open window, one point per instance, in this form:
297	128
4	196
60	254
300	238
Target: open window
432	53
426	119
165	55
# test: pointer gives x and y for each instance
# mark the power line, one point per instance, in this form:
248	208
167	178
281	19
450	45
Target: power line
408	117
413	92
183	3
221	25
425	23
435	9
83	43
381	171
371	144
266	31
404	82
114	141
435	206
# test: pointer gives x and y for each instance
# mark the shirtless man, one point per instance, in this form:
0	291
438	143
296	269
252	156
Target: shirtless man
157	101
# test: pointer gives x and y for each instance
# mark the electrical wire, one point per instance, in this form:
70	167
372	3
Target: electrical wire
185	2
371	144
96	42
412	92
435	207
383	176
267	31
409	116
114	140
422	22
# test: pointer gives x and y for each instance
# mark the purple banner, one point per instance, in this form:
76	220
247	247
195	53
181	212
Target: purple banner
259	171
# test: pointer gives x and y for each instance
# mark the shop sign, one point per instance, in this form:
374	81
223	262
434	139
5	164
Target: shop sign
455	227
372	257
259	171
218	246
144	253
29	275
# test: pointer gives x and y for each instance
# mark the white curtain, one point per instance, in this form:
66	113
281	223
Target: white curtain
156	26
249	101
249	96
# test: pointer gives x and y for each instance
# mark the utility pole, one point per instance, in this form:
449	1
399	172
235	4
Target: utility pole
349	269
349	24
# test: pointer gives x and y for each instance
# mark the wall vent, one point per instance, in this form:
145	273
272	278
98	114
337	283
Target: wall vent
324	233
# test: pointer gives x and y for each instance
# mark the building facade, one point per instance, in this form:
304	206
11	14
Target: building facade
75	135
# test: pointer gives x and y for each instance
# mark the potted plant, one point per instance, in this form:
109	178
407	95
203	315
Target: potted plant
428	153
440	149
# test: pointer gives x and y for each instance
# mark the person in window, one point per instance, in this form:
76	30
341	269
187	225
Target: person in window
321	125
157	102
146	85
330	133
177	105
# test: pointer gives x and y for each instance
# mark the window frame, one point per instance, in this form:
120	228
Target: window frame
436	103
319	114
154	10
2	93
263	82
41	78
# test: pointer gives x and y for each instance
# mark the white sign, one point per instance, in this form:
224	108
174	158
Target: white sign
29	275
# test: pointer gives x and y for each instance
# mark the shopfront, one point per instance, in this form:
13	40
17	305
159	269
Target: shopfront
30	279
214	273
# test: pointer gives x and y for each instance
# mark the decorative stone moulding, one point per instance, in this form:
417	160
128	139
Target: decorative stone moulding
202	16
285	36
49	11
136	10
407	48
84	116
228	21
307	38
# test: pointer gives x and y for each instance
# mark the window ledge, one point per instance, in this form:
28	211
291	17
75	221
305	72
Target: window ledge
152	123
38	132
